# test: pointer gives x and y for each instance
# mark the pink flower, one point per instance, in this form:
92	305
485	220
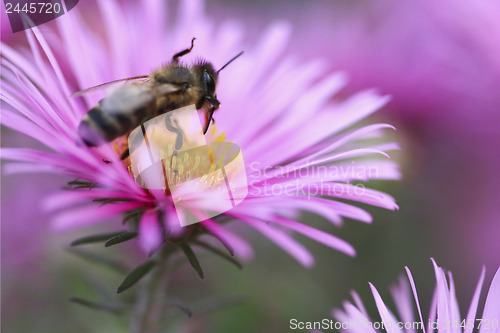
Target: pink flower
444	313
301	150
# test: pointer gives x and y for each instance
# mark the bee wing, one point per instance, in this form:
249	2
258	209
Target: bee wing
103	85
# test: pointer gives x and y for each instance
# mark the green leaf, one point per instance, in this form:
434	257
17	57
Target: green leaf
99	259
134	214
95	238
120	238
112	200
181	306
99	286
91	186
193	261
99	306
134	276
77	184
218	252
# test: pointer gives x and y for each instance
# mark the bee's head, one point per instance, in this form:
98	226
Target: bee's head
208	77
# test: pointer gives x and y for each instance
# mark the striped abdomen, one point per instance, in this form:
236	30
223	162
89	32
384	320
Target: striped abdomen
117	114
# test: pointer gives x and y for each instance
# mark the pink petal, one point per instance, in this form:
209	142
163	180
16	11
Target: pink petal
401	295
346	138
388	318
113	19
54	65
356	319
74	197
287	243
443	314
91	214
433	309
15	168
313	99
471	315
315	205
231	241
358	302
20	61
453	306
150	232
172	225
415	296
317	235
492	306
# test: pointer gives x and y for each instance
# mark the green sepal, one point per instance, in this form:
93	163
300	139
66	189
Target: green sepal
95	238
181	306
120	238
99	259
99	306
218	252
134	276
134	215
78	184
112	200
193	261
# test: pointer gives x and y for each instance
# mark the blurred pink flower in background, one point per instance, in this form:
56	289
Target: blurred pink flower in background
444	309
440	62
279	110
438	59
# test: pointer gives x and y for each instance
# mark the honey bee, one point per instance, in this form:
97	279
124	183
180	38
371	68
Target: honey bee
167	88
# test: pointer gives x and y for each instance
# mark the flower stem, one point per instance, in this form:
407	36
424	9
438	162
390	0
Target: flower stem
150	299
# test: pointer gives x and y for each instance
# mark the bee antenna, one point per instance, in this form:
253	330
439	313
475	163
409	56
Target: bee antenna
230	61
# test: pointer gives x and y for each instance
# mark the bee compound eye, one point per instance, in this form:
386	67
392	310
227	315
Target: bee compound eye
210	83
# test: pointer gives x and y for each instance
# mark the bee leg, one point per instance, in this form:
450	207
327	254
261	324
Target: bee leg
184	52
180	134
209	120
214	101
215	106
131	147
171	162
168	124
171	128
125	154
179	139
